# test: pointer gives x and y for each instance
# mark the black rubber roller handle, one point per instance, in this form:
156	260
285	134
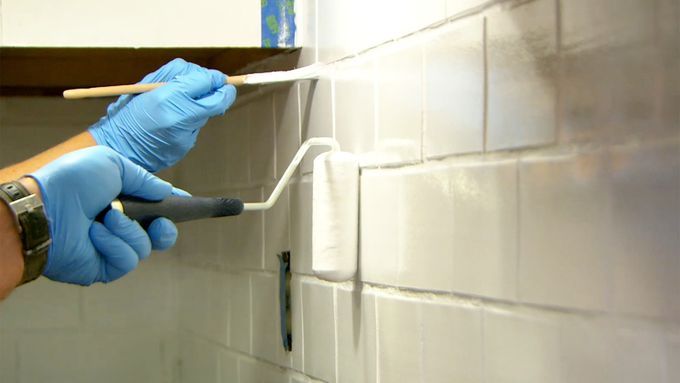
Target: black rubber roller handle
176	209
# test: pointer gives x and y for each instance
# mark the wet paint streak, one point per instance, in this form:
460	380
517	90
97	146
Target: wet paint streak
278	23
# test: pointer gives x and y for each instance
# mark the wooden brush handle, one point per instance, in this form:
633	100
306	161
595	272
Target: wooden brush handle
118	90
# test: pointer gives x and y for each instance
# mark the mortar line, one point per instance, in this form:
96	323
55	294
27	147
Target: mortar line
485	85
335	334
502	304
376	100
333	125
276	136
558	72
263	228
423	102
456	297
302	326
518	228
250	313
240	354
377	339
298	97
316	30
483	346
421	341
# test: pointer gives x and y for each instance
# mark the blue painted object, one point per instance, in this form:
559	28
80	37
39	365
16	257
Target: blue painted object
278	23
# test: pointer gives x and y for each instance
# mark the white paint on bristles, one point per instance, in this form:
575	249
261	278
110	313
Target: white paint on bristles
307	72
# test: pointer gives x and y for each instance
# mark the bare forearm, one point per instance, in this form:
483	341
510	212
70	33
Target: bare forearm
11	251
34	163
11	259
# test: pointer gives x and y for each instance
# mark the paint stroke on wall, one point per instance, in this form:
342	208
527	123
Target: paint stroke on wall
278	23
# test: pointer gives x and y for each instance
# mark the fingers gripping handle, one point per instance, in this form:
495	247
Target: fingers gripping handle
176	209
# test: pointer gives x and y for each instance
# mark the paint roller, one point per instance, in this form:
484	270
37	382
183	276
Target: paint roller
335	208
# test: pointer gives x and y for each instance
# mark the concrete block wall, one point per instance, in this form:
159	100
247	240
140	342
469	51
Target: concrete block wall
520	210
520	200
62	333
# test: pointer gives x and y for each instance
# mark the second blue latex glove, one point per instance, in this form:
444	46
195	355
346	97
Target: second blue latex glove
156	129
75	189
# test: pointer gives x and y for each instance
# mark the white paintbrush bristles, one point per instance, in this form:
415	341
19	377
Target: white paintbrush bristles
307	72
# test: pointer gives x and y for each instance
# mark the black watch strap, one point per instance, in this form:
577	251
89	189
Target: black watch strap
33	227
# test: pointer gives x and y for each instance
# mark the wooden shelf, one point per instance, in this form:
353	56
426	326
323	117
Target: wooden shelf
48	71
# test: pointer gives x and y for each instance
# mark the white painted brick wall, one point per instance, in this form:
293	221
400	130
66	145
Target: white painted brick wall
318	318
521	346
453	79
356	324
519	198
355	106
519	208
399	115
316	114
560	266
521	56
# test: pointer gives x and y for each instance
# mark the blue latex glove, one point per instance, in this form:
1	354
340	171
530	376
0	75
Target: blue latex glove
158	128
78	186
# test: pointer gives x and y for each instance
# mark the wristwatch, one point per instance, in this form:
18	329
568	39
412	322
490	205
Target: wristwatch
30	218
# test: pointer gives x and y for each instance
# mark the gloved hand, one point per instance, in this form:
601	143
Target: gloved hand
157	129
75	189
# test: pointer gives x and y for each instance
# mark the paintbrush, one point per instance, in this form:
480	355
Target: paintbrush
303	73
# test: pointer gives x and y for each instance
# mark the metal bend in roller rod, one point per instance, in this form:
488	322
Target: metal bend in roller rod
288	174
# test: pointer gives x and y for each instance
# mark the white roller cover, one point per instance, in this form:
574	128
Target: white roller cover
335	216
